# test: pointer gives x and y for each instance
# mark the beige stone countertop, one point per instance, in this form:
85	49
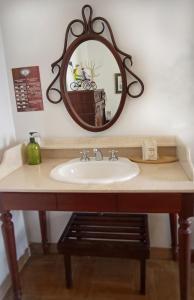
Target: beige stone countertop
153	178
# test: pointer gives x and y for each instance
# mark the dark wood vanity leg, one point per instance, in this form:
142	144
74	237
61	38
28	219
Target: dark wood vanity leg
10	246
185	257
174	235
43	229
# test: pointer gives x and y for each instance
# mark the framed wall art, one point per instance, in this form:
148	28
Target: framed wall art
28	92
118	83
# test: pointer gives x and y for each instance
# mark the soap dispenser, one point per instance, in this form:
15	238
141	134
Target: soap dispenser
33	150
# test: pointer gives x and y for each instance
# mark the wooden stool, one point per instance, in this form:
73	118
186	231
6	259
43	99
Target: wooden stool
106	235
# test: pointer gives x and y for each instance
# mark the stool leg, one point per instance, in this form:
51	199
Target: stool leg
143	276
68	273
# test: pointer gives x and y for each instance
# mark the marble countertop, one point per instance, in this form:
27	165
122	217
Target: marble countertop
163	178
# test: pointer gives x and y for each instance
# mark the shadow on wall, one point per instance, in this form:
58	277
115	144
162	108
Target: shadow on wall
5	144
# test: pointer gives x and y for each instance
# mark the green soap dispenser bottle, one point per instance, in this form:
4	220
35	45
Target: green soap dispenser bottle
33	151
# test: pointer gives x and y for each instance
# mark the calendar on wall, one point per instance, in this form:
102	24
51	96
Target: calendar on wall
27	87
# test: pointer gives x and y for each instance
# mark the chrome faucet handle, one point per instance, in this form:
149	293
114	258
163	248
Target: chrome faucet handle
98	154
84	155
113	155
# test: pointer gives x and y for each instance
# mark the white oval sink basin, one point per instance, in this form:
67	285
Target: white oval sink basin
96	172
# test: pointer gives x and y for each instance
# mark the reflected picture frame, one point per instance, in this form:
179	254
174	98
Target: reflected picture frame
118	83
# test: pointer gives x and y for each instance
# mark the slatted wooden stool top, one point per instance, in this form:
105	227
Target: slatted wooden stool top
119	235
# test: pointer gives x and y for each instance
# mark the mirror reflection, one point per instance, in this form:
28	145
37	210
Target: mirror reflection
94	83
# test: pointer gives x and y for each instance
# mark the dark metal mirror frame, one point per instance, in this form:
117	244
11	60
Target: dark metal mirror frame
123	59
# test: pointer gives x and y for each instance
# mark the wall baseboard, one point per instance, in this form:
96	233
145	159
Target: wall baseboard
36	248
156	252
5	286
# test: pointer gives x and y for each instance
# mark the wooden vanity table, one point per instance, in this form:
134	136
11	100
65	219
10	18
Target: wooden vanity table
162	188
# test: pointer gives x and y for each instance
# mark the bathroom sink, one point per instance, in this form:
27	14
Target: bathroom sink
96	172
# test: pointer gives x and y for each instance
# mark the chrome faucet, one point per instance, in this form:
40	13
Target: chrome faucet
84	155
113	155
98	154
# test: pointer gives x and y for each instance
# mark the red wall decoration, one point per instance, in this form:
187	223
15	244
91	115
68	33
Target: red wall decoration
27	87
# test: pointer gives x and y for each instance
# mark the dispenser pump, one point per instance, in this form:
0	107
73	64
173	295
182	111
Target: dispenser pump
32	137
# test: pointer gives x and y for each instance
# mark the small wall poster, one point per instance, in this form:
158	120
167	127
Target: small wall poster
27	87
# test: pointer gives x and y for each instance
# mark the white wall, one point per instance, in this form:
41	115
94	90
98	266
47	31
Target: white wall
159	36
7	131
7	138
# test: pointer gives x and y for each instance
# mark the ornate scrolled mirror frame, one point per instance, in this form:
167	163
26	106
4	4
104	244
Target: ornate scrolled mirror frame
123	60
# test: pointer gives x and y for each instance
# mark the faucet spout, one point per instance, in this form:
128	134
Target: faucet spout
98	154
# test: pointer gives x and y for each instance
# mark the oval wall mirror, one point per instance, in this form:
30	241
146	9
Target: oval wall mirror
92	72
88	82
